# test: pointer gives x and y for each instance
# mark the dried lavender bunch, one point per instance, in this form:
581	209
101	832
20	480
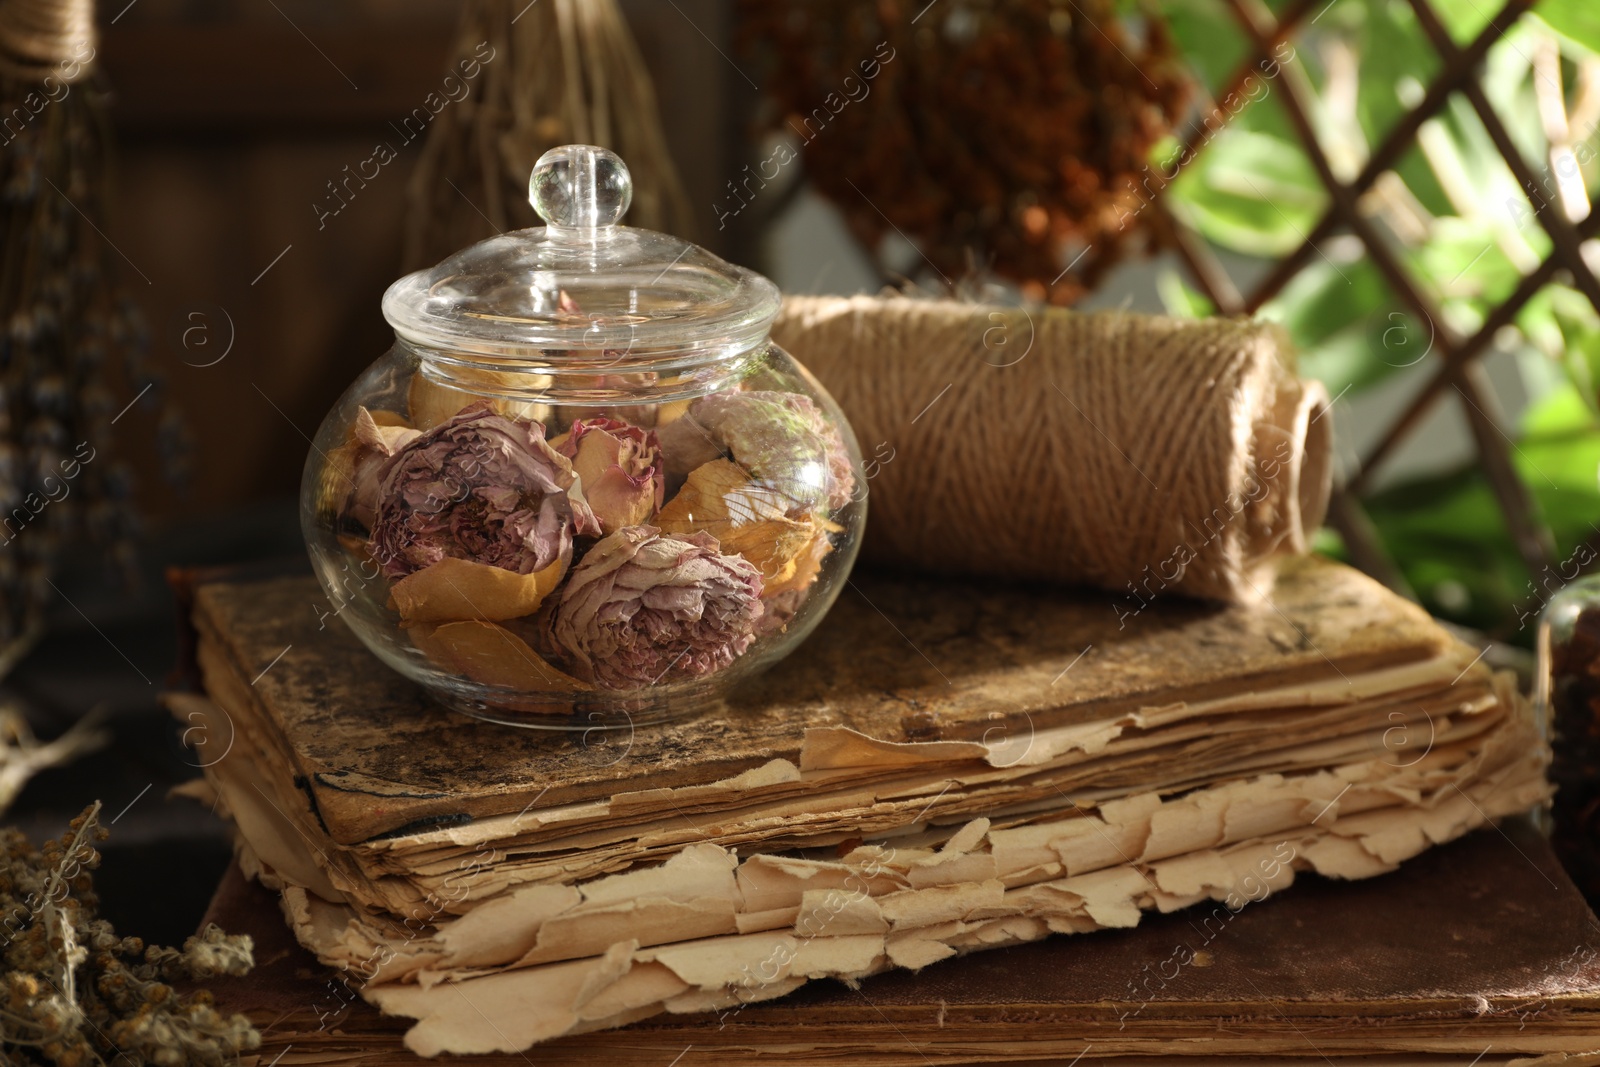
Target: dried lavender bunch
74	993
73	347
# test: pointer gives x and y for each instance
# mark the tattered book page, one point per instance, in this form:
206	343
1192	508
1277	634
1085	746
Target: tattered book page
709	930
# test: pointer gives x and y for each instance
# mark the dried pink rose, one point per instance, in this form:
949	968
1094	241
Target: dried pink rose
619	470
643	608
782	439
480	487
354	468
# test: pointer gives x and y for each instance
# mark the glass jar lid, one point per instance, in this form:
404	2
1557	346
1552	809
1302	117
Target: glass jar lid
583	291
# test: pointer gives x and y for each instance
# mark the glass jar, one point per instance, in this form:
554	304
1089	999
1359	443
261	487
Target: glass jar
583	488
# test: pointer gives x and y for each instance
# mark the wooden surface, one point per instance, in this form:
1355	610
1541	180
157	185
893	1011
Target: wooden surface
1479	944
900	659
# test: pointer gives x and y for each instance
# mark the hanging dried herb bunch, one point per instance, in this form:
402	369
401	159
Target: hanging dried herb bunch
552	73
76	994
70	340
1006	133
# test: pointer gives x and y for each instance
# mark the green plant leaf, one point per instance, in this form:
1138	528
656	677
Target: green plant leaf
1464	259
1445	533
1392	49
1558	457
1180	299
1540	325
1251	192
1326	298
1208	36
1448	536
1465	19
1507	82
1561	327
1576	20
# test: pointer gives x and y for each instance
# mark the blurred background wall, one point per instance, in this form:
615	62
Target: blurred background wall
231	120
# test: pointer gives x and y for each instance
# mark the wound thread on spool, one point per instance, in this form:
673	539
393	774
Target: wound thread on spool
1139	453
44	38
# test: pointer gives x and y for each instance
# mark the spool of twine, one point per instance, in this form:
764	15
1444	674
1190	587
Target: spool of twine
1139	453
39	38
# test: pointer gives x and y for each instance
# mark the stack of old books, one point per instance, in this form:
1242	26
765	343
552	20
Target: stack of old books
944	767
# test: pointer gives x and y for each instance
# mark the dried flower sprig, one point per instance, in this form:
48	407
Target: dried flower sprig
76	994
22	755
1012	135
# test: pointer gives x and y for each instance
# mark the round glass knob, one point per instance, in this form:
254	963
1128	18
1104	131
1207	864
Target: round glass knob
580	187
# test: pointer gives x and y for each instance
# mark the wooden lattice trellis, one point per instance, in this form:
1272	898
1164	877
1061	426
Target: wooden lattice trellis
1458	363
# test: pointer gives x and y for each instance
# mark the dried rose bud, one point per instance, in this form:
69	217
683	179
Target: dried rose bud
348	484
356	468
642	608
478	487
782	439
619	470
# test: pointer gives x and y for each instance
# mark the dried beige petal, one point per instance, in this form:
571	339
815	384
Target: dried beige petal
385	437
458	589
618	467
356	546
672	411
721	499
490	654
807	565
388	418
337	479
432	402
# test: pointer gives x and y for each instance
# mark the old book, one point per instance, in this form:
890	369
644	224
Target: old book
1036	700
711	930
1479	951
1333	729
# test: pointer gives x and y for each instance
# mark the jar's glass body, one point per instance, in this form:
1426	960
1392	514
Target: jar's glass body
600	547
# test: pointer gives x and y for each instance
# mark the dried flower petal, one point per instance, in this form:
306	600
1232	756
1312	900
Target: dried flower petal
721	499
431	402
642	608
459	589
671	411
384	432
490	654
781	600
808	563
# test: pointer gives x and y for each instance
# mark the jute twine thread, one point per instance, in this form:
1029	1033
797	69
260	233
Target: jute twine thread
41	37
1138	453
